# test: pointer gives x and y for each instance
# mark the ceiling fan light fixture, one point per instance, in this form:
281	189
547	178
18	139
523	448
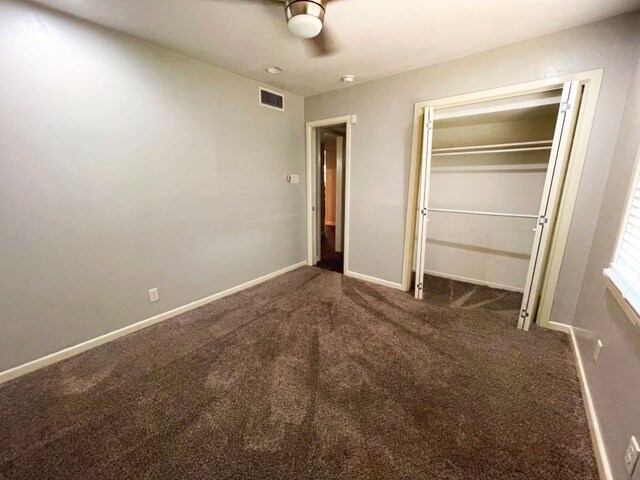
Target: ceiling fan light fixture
305	26
274	70
305	17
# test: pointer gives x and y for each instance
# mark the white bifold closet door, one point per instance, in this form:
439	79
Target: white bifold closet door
423	199
553	185
547	216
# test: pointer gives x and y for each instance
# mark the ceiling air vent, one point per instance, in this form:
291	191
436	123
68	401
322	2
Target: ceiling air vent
271	99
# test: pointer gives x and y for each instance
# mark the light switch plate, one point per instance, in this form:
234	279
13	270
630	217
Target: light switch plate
293	178
154	296
631	456
596	351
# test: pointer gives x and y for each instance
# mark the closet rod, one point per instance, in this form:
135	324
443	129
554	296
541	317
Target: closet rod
501	150
533	143
475	212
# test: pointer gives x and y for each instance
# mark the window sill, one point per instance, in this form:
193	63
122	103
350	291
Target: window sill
618	289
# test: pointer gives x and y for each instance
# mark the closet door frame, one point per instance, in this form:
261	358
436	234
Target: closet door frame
423	199
590	81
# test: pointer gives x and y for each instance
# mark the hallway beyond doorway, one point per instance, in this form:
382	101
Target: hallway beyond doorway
329	258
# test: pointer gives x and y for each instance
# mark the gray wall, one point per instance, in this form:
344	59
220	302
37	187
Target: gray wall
381	145
124	167
615	380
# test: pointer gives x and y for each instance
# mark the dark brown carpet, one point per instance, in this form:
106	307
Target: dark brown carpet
312	375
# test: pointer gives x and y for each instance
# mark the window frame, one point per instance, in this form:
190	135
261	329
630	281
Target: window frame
622	291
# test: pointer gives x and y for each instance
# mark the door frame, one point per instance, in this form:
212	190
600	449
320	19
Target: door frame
340	144
591	80
312	194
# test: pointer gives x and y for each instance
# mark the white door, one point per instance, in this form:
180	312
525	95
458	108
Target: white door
319	181
558	160
339	190
423	199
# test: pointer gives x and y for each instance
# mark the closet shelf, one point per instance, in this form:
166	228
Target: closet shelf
497	110
494	148
476	212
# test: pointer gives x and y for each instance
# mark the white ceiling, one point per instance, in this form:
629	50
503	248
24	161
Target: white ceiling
377	38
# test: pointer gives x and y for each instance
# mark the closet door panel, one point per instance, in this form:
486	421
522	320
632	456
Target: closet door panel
423	200
561	147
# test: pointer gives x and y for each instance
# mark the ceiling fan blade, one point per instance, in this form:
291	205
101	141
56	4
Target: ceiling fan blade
324	44
251	1
272	2
273	7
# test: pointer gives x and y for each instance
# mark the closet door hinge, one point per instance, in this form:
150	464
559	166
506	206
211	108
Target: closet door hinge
429	125
423	212
543	220
524	313
565	107
419	286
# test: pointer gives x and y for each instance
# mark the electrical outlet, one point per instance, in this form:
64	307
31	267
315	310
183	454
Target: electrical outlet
596	351
154	296
631	456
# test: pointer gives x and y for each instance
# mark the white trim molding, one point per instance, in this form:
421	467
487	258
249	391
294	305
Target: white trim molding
311	146
591	81
623	293
602	459
560	327
378	281
108	337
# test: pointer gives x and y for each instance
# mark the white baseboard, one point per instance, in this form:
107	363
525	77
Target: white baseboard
475	281
89	344
560	327
604	468
379	281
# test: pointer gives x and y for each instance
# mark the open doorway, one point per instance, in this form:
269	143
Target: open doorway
332	198
327	177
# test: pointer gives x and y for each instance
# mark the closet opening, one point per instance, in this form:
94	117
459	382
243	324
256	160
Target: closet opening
493	190
327	193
